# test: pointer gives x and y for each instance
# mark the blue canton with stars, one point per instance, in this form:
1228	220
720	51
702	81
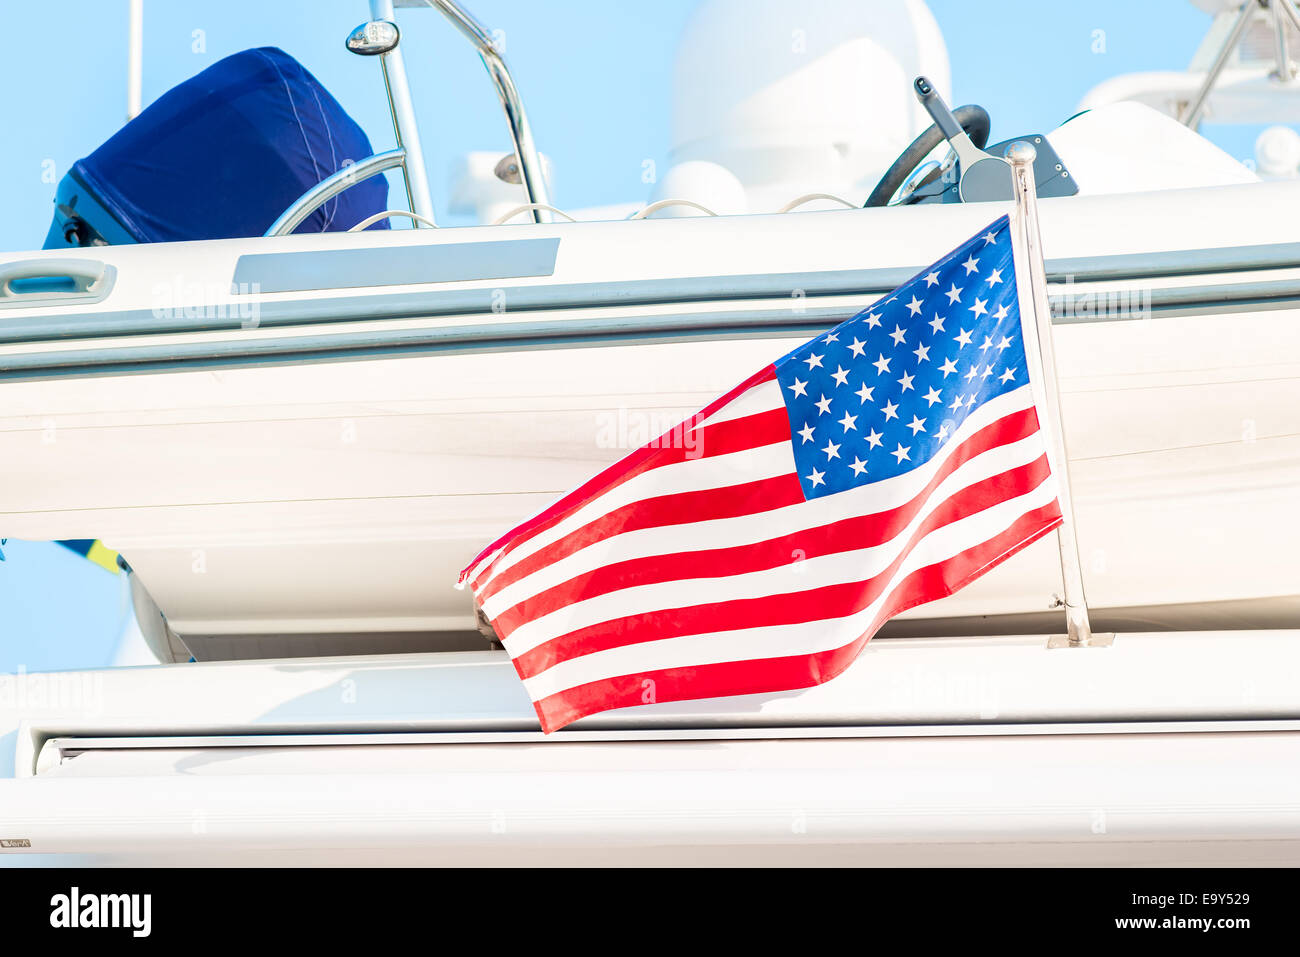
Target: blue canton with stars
880	394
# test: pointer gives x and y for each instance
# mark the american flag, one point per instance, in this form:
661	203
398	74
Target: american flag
758	547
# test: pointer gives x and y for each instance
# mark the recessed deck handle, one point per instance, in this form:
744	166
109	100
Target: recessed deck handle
54	278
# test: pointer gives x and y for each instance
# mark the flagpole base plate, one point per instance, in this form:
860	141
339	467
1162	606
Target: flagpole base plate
1103	640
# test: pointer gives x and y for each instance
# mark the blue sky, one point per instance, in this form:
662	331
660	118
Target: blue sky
596	77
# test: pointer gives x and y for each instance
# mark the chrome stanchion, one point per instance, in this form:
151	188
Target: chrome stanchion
1036	324
398	89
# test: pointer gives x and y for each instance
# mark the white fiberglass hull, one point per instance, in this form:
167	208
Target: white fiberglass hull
988	751
289	497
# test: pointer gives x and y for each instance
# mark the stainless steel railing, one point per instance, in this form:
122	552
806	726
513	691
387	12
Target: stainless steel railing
409	155
530	164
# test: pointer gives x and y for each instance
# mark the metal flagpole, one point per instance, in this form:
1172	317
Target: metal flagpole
1037	329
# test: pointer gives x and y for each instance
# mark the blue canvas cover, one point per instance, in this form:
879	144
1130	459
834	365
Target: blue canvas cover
226	152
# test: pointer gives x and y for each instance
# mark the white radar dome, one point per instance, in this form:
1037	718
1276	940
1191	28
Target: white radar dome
1277	152
805	97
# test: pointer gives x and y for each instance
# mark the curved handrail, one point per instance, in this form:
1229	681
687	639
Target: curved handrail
528	208
665	203
809	197
371	220
331	186
530	164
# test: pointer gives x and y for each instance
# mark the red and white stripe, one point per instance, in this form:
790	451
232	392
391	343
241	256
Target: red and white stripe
679	574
